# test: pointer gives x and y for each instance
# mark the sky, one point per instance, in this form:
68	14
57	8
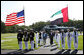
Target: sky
36	11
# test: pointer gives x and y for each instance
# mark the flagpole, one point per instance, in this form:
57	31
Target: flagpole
68	11
24	15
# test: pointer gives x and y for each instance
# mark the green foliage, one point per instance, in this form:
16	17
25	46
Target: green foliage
39	25
77	24
2	27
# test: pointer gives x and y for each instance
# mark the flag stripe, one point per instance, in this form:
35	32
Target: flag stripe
59	12
14	23
65	14
11	16
13	19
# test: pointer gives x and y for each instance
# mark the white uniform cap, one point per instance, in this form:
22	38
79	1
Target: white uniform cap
20	30
31	29
62	30
74	28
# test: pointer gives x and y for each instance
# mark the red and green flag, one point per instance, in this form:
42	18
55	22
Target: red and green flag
64	12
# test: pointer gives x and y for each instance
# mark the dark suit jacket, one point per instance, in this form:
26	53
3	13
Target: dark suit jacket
51	35
40	35
26	36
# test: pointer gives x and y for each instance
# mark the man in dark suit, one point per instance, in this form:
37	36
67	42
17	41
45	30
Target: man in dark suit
19	37
44	37
40	38
51	35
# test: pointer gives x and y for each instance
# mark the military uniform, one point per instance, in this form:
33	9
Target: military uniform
26	38
31	35
37	37
57	37
19	37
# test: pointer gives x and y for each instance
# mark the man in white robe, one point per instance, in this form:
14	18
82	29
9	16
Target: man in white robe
62	36
69	38
75	36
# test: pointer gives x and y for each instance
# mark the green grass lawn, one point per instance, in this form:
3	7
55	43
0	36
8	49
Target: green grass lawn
12	44
80	43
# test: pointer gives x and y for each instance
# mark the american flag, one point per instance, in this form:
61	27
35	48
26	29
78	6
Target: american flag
15	18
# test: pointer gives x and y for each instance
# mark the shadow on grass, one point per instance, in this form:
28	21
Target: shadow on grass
67	52
60	52
74	52
54	45
53	49
47	46
19	51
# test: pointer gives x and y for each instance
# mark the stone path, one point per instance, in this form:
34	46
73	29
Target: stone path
47	49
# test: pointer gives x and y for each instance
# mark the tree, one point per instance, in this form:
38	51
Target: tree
2	27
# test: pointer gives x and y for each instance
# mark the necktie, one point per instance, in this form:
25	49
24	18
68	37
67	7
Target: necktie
62	39
56	36
69	36
75	37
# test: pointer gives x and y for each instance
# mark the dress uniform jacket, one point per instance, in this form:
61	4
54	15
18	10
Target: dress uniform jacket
31	35
19	36
37	36
26	36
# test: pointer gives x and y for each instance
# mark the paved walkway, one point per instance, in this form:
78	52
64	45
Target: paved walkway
47	49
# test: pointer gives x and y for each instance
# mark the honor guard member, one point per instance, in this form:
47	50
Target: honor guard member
32	38
26	38
62	36
69	37
51	35
37	38
19	37
75	36
57	37
40	38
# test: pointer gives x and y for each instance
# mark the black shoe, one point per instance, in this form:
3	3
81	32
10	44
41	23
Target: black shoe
26	50
19	49
63	49
32	49
69	49
76	50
